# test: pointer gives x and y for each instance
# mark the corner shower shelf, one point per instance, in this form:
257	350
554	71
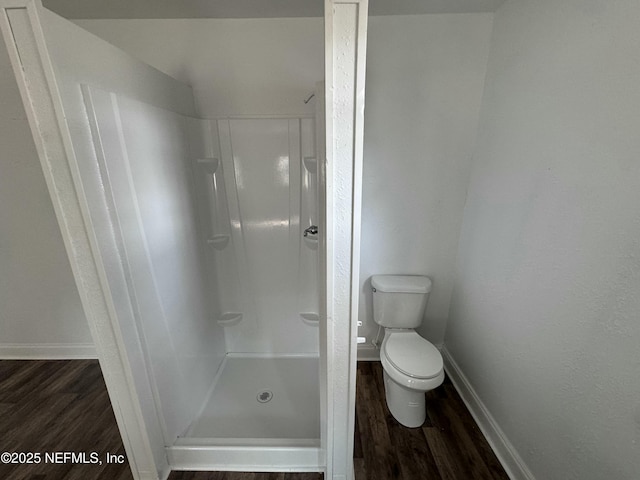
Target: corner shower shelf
219	241
209	164
310	318
229	319
311	164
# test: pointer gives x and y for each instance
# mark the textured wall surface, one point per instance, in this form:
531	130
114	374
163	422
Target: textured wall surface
425	76
545	313
39	302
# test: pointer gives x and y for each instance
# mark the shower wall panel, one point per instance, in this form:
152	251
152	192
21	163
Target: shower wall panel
216	227
204	162
271	193
308	280
145	152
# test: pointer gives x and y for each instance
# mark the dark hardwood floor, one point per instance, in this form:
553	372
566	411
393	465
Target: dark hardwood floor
449	446
57	406
62	406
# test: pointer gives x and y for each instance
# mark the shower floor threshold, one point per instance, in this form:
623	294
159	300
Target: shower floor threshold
186	455
258	400
247	442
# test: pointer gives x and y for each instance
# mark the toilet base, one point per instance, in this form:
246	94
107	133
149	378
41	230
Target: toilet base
407	406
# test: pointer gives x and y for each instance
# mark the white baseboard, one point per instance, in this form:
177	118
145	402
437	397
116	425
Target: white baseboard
500	444
47	351
368	353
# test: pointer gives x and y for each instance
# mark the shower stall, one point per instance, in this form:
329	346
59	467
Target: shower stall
211	216
203	250
256	189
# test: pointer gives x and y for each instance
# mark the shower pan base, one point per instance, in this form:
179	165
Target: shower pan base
263	414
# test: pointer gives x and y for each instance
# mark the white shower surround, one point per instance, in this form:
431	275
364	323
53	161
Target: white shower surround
49	81
143	155
273	267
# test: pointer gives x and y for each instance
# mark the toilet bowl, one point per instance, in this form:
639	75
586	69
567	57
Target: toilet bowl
411	364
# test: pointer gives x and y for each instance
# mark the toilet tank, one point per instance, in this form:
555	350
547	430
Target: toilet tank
399	300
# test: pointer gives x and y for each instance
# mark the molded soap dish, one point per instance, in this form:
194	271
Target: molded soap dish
310	318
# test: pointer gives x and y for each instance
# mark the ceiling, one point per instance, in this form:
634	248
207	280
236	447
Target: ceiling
78	9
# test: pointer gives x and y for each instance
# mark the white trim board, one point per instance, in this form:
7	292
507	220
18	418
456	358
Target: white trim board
345	55
185	455
498	441
48	351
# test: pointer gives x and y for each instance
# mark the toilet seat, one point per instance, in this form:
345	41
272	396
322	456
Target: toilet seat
412	355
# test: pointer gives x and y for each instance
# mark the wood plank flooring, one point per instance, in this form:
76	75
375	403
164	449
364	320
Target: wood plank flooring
449	446
62	406
57	406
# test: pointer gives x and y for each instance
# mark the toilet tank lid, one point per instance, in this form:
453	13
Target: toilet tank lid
401	283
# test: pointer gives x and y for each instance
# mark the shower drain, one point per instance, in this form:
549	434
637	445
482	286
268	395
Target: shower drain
264	396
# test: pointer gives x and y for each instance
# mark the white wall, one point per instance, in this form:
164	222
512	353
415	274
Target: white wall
235	66
544	317
425	77
40	310
253	8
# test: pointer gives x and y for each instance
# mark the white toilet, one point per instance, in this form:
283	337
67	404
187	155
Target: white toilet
411	364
